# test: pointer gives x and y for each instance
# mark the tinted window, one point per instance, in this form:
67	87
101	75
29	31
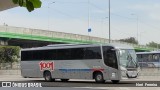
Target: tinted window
110	57
63	54
77	53
92	53
26	55
38	55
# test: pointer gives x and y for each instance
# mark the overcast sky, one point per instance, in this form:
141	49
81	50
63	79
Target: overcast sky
127	17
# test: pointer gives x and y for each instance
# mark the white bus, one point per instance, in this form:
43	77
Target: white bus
149	59
80	61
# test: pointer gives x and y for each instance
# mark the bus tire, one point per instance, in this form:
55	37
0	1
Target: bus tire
115	81
99	77
64	80
48	76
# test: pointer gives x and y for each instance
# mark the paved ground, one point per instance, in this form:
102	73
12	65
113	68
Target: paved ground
68	88
85	88
19	78
75	84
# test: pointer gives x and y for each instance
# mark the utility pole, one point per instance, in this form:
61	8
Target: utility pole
137	20
89	28
109	23
49	13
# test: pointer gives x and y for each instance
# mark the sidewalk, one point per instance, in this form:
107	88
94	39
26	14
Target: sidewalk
16	78
10	72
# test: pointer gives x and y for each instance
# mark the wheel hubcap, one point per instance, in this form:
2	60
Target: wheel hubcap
99	77
47	77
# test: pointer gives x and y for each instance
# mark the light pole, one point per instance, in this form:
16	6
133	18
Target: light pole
89	28
109	22
140	35
5	26
88	14
137	25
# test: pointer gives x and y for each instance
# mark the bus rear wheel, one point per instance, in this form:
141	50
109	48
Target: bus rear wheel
48	77
64	80
99	78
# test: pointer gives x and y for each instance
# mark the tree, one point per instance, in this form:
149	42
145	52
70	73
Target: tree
153	44
9	54
29	4
129	40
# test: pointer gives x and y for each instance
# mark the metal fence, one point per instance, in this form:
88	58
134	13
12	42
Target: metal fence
150	71
149	68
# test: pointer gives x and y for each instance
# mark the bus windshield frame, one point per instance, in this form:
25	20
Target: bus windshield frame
128	58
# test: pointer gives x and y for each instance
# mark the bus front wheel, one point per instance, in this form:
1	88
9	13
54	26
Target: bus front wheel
48	77
99	78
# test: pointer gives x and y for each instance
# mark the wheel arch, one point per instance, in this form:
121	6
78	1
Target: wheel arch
46	71
95	72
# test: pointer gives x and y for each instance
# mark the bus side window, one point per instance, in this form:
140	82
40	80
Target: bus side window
26	55
110	57
92	53
77	53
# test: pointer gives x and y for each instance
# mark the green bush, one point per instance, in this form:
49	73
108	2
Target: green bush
9	54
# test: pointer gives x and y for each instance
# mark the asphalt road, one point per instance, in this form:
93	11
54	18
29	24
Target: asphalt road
81	83
90	83
85	85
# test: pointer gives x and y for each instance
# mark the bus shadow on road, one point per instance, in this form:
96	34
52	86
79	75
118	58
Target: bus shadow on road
82	82
59	83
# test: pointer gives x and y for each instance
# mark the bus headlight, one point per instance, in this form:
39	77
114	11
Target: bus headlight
123	73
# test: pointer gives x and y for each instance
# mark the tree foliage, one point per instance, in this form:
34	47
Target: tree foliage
29	4
9	54
153	44
129	40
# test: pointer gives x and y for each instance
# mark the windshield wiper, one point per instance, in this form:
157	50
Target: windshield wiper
130	58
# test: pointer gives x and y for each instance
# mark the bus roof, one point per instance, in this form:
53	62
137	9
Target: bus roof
115	45
153	52
59	46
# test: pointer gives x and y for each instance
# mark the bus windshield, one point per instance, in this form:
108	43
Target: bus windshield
128	58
